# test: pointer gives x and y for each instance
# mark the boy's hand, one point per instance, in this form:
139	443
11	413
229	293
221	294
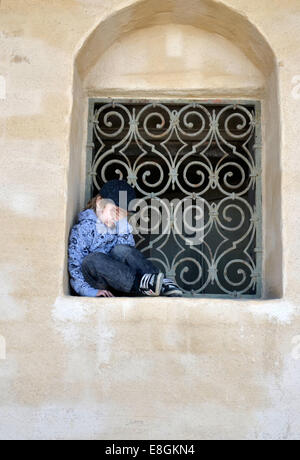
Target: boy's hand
104	293
121	213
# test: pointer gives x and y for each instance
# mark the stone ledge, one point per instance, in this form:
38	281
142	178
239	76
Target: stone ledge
199	310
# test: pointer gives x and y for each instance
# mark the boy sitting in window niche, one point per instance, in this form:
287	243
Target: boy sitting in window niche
102	257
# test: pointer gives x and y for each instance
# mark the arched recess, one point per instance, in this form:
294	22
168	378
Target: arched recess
246	68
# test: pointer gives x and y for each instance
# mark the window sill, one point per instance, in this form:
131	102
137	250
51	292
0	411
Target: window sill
193	310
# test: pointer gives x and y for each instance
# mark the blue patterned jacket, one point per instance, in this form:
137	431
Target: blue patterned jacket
91	235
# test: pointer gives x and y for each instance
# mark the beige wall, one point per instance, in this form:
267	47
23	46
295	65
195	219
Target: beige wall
174	56
98	368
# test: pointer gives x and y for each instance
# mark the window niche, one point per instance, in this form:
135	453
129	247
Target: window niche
179	58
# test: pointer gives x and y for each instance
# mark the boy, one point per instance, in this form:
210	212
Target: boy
102	255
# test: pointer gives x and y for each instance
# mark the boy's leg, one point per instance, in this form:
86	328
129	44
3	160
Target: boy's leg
102	271
134	258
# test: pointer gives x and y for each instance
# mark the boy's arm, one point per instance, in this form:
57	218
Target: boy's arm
78	249
125	235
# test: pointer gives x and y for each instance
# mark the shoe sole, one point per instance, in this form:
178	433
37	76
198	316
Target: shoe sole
159	284
174	293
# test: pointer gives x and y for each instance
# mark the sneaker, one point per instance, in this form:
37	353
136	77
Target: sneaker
151	284
170	288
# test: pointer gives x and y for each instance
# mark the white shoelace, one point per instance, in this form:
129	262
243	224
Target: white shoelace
169	281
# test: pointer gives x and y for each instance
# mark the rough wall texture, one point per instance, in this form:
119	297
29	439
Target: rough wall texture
102	368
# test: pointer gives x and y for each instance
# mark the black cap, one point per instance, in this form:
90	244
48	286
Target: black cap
120	192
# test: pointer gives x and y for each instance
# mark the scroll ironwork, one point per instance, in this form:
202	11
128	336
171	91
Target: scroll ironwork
188	150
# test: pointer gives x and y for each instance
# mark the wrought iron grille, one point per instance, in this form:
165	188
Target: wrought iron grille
196	150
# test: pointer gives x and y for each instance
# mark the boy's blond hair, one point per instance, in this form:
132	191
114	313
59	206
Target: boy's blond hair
92	203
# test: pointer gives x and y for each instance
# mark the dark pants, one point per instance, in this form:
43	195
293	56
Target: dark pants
117	270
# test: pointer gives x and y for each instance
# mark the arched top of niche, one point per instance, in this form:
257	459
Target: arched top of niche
207	15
